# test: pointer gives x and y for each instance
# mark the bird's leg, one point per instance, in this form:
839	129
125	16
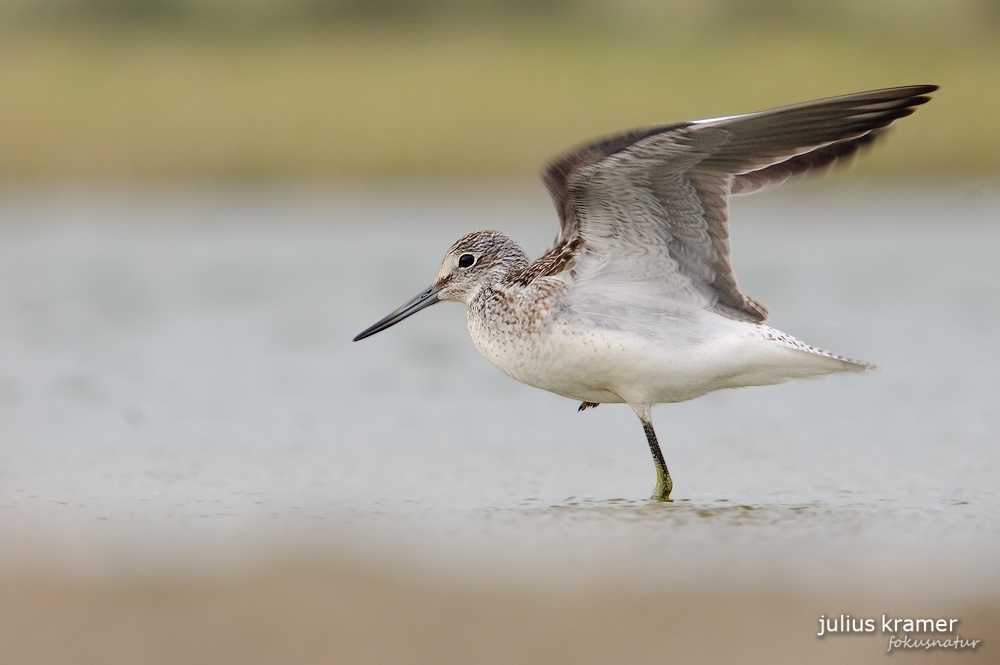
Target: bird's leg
664	485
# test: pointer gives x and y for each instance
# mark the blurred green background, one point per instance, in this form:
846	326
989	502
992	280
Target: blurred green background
181	90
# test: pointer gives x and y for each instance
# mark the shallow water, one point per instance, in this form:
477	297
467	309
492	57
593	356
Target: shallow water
177	384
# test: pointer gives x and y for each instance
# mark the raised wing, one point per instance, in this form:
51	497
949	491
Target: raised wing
647	211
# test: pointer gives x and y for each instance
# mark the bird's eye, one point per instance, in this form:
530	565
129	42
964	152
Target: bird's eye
466	260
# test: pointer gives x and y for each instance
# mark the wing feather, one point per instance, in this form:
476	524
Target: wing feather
647	211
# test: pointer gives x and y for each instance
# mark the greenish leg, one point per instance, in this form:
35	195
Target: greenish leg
664	485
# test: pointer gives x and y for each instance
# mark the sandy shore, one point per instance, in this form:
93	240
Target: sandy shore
346	611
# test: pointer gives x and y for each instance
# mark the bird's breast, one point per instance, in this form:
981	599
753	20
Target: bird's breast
522	332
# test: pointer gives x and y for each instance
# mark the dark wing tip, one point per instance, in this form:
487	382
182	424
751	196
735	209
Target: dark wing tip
921	94
864	118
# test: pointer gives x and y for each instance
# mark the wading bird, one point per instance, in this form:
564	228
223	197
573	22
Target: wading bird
636	301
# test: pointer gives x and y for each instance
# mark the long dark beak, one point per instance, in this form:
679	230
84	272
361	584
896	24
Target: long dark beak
423	301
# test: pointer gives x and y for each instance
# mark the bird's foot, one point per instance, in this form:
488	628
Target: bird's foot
664	486
588	405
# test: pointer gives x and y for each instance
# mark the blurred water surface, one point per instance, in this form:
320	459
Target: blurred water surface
177	383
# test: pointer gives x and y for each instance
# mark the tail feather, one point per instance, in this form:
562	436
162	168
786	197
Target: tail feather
851	364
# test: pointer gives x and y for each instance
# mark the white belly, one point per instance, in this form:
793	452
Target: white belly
680	362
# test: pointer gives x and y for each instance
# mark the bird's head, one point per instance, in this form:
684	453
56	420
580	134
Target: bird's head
474	262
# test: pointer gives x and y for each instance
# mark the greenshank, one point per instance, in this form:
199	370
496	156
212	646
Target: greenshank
636	302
